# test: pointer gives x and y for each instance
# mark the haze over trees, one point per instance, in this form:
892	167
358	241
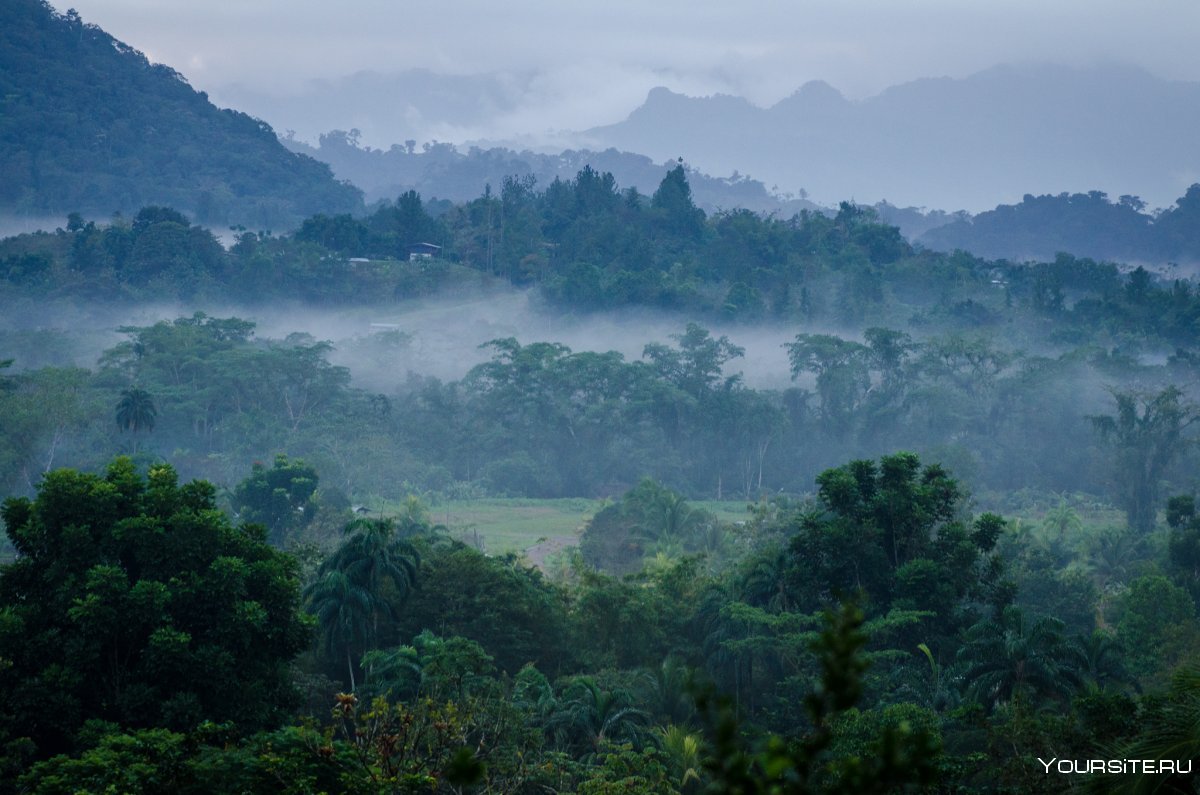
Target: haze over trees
844	514
447	172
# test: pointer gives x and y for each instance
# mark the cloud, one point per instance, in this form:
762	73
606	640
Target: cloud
593	61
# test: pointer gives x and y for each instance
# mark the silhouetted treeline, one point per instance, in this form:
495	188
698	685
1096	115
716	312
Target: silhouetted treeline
442	170
1083	224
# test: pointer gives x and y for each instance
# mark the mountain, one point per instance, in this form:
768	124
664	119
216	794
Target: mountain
1082	224
950	143
88	124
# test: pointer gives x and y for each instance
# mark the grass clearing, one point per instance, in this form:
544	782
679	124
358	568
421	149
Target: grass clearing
516	524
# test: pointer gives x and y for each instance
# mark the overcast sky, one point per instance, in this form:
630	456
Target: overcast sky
594	61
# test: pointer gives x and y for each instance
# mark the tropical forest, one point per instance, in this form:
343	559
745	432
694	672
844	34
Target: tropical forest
572	486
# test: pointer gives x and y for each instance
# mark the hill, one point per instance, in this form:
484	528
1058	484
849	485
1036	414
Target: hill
88	124
1084	224
969	143
443	171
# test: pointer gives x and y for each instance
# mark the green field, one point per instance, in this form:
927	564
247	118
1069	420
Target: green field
499	525
515	524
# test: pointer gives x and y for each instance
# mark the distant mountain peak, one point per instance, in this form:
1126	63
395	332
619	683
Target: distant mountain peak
662	94
814	97
1014	129
817	91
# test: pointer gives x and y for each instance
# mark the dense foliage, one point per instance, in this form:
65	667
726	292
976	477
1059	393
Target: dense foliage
457	670
1085	224
134	603
872	623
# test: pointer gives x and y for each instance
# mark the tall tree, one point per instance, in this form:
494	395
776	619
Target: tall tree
136	412
343	609
1148	433
360	588
843	377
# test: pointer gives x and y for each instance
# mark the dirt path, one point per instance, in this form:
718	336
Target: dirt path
540	552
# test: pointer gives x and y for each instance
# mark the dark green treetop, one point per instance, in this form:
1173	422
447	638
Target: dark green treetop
134	601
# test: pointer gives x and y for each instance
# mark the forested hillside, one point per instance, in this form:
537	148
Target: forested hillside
1086	225
89	125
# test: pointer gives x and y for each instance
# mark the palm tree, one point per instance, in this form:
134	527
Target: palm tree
1014	658
684	754
667	521
765	583
667	690
414	521
363	582
1113	556
594	715
136	411
1102	661
343	610
1062	521
375	559
938	694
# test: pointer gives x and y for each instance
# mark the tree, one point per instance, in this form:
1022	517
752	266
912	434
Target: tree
1184	542
911	549
1169	729
135	601
697	367
673	203
900	756
499	602
649	519
375	557
136	411
1148	433
589	715
1157	625
360	588
343	610
1016	658
841	368
44	411
281	498
664	521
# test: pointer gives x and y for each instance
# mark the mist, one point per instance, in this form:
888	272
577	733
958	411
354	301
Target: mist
591	63
440	337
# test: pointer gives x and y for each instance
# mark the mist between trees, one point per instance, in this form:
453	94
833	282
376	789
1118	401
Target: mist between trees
859	345
784	364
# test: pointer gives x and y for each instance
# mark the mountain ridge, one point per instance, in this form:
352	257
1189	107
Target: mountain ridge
1012	129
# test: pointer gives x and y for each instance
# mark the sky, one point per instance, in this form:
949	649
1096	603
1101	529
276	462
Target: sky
582	63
